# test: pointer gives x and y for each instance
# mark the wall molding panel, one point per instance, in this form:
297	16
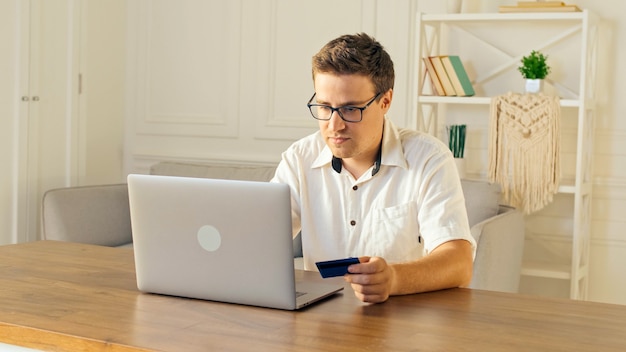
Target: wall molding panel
187	68
286	71
205	77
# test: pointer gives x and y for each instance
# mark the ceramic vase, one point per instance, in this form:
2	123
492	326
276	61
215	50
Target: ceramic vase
460	166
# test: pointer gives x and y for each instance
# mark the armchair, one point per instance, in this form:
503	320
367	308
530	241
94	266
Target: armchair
87	214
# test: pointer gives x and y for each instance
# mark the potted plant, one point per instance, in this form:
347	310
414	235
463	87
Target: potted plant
534	69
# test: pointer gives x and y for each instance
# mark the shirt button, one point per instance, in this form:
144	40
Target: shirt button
355	187
352	222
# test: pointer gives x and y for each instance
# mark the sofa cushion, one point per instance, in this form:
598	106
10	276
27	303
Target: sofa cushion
482	200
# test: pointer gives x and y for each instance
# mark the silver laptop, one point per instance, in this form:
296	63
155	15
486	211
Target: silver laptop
219	240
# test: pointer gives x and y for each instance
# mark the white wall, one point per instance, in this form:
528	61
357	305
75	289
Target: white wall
228	81
102	115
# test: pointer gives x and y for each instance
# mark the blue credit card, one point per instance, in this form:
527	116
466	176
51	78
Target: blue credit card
338	267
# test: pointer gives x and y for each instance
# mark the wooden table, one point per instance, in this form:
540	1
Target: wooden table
83	298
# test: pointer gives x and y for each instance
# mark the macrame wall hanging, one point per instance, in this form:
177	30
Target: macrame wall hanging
524	148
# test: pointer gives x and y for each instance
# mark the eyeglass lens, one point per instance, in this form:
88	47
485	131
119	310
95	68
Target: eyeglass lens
324	112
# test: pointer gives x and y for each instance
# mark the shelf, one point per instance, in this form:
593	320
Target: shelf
530	16
547	270
569	187
566	186
471	35
433	99
552	271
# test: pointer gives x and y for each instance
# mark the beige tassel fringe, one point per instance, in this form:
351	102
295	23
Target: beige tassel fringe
524	148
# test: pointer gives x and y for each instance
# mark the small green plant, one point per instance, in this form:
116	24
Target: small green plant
534	66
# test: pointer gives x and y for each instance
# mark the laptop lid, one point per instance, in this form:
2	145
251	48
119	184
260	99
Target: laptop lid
213	239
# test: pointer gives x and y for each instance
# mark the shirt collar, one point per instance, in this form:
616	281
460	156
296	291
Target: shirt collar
390	152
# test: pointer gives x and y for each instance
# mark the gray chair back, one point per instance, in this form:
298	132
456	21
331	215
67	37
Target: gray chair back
90	214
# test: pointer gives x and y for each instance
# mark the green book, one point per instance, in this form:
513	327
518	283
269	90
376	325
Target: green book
462	75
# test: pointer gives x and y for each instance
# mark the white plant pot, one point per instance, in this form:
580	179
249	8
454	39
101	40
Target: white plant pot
460	166
534	85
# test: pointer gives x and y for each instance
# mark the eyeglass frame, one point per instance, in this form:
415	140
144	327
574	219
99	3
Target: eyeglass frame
332	109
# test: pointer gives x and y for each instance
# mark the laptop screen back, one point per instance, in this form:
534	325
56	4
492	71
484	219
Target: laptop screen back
212	239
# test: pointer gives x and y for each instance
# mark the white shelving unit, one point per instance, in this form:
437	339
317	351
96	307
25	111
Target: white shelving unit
491	46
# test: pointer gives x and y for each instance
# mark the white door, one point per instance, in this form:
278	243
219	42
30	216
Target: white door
38	109
10	30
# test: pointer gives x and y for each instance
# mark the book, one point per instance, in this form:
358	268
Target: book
443	75
461	82
540	3
454	79
434	79
564	8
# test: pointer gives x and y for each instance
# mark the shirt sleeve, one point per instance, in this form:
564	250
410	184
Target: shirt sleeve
442	214
287	173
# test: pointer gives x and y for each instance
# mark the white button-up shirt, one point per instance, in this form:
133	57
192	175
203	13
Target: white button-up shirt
413	204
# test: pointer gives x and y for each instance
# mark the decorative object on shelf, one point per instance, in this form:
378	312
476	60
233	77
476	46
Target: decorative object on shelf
454	6
456	143
539	6
460	167
524	148
447	76
437	64
435	83
533	85
534	69
458	76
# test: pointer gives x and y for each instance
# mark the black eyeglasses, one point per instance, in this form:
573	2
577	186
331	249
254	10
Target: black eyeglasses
348	113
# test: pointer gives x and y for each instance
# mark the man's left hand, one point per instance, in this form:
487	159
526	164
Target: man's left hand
371	279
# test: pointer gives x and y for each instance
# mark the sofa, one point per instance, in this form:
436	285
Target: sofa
104	218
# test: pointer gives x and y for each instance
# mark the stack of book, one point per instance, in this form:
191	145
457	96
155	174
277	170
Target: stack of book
448	76
540	6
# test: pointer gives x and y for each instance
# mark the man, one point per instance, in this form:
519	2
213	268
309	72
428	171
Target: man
361	187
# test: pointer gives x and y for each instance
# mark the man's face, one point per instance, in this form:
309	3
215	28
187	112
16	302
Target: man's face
358	141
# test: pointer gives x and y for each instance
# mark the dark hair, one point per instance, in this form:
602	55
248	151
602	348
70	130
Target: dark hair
356	54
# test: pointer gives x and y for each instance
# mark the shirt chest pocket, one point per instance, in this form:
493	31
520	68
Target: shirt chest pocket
393	234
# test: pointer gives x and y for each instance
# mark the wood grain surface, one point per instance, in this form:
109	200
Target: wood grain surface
73	297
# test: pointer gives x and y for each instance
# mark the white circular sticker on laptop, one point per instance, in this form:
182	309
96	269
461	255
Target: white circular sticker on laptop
209	238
